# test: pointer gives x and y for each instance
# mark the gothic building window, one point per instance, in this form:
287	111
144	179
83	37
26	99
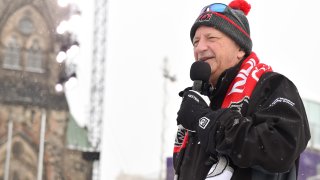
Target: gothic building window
12	54
25	25
34	61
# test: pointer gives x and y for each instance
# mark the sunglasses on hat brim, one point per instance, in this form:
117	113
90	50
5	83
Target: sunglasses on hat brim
223	9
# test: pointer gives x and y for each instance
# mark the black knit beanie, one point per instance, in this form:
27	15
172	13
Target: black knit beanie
228	23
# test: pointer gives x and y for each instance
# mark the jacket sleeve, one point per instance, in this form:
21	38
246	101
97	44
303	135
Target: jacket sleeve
272	133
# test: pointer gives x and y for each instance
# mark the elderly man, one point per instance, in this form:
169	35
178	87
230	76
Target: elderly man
255	126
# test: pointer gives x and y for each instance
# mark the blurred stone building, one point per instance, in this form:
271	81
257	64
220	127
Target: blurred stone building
34	118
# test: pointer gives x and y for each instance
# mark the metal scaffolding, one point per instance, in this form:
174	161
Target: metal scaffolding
97	78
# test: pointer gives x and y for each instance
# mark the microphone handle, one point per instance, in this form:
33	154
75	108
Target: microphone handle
197	86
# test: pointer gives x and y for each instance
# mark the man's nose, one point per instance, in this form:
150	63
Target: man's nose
202	45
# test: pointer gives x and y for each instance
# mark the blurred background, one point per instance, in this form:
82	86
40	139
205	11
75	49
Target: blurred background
89	89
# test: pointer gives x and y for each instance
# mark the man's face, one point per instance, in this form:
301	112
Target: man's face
217	49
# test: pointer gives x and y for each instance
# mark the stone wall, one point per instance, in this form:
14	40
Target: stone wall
59	161
27	95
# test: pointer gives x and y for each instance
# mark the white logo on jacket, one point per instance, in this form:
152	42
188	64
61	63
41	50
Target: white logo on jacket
282	100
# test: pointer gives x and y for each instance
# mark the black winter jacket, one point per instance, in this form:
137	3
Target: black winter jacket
265	143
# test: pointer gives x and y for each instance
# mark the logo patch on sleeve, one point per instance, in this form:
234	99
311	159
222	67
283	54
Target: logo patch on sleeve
203	122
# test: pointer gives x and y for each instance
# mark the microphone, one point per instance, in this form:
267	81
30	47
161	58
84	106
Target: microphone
200	73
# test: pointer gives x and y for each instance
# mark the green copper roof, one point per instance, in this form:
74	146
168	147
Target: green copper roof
77	137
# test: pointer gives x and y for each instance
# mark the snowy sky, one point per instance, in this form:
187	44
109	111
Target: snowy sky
142	33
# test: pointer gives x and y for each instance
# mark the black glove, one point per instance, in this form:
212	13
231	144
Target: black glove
192	108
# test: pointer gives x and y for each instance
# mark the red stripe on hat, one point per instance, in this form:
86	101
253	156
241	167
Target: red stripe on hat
233	23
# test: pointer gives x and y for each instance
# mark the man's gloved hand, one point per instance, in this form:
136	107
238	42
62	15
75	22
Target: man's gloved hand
195	115
193	107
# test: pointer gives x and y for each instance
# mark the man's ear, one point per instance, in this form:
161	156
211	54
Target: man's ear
241	54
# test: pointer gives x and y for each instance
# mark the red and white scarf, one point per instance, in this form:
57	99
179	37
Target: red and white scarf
245	81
